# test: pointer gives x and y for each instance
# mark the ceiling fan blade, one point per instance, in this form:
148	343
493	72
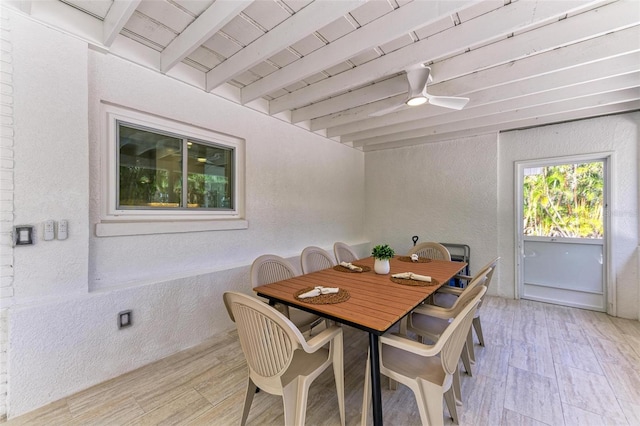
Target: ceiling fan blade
387	110
447	101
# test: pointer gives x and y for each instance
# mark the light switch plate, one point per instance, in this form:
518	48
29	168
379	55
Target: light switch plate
49	233
63	229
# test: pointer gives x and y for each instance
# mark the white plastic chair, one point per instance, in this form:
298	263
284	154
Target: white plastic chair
431	250
446	297
280	360
428	370
270	268
430	321
344	253
315	259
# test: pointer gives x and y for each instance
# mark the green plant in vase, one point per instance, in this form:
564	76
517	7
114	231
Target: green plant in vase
382	253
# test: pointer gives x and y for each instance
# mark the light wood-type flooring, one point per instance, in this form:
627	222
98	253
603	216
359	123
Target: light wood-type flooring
542	365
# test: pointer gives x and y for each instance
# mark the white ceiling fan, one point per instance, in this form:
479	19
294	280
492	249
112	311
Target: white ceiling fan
418	76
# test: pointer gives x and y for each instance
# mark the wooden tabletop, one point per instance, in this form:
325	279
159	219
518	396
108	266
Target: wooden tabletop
376	303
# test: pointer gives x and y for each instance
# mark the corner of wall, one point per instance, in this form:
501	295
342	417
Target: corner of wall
6	199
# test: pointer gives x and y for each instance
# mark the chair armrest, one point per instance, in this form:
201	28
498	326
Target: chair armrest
434	311
410	345
463	277
321	339
450	290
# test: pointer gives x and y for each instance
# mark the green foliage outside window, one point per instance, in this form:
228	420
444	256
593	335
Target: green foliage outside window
565	201
153	167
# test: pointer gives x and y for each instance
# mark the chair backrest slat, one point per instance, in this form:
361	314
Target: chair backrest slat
270	268
344	253
431	250
315	259
267	338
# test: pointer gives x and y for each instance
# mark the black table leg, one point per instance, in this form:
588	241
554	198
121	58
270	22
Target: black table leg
376	394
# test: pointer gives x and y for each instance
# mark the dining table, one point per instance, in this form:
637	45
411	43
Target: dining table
366	300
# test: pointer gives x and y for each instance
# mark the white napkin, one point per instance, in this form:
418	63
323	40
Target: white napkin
412	276
317	291
351	266
414	257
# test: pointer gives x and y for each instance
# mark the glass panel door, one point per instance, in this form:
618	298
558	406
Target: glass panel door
562	233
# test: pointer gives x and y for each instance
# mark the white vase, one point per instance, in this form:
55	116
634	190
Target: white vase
381	266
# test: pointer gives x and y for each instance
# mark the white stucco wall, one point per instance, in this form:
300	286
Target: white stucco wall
51	160
441	192
617	134
301	189
462	192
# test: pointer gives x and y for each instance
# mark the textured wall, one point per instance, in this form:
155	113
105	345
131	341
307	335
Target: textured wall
441	192
462	192
293	178
301	189
617	134
51	156
6	196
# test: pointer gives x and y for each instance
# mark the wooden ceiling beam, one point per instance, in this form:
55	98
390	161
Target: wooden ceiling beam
117	17
489	27
620	48
602	86
355	98
311	18
216	16
401	21
597	22
595	111
505	119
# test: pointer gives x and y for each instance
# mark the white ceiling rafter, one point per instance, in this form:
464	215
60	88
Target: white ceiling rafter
522	64
613	108
488	27
548	56
512	95
203	28
596	87
371	35
279	38
529	112
116	19
351	99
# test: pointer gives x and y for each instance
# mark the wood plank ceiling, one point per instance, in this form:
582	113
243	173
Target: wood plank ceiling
332	66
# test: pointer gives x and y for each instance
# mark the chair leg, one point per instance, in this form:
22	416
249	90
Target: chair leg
457	389
478	327
294	398
465	359
393	385
450	399
248	399
366	397
338	373
469	347
429	401
403	325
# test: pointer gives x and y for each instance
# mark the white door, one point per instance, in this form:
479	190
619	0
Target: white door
562	255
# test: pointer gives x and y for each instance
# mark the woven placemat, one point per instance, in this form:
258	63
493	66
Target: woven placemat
323	299
341	268
408	259
418	283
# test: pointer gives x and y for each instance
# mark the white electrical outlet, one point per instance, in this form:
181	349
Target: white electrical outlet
63	229
49	233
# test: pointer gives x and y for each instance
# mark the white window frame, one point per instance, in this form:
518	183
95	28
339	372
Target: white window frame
117	222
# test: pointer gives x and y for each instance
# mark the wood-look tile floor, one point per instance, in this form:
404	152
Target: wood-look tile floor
542	365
